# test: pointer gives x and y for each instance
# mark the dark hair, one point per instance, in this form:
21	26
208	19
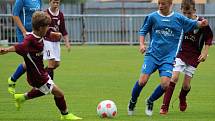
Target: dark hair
188	4
40	19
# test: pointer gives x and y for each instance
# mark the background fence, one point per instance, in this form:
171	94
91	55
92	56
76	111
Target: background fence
93	29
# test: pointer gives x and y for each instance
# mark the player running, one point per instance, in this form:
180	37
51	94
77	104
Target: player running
188	58
165	27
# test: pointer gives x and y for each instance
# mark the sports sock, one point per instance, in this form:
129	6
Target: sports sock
34	94
158	92
18	73
50	72
168	94
136	91
61	104
183	93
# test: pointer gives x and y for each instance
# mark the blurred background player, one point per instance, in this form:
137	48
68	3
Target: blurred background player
165	28
22	15
188	58
31	49
52	45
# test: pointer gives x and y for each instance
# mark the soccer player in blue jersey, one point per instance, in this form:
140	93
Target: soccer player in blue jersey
165	28
22	15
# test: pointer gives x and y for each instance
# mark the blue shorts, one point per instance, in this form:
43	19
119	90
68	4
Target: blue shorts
20	38
150	65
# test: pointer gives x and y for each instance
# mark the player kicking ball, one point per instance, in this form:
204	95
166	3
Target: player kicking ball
32	51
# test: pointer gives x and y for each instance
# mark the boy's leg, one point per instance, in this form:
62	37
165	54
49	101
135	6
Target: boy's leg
169	91
52	54
158	92
165	71
167	98
147	68
184	91
189	72
61	104
50	72
17	74
135	94
182	99
34	93
21	98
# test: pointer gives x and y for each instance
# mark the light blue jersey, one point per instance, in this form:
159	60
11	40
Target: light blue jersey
24	9
165	35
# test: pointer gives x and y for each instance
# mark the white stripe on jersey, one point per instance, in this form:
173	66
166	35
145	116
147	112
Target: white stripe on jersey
23	16
29	57
179	42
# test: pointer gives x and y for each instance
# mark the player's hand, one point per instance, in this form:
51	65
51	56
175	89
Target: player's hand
3	51
204	23
55	35
142	49
202	57
68	46
24	33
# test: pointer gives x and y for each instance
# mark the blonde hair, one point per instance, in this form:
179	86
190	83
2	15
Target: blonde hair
40	19
170	1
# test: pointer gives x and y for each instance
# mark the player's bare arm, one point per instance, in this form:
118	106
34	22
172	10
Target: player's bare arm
67	44
20	25
6	50
142	48
204	54
55	35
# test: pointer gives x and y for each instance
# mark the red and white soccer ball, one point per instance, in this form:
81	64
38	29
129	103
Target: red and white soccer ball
106	109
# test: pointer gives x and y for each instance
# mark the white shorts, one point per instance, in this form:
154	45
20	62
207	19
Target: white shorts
183	67
51	50
47	87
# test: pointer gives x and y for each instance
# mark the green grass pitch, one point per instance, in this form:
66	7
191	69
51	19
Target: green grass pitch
90	74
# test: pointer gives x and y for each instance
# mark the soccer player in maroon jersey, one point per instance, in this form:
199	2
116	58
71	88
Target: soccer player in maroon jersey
188	58
51	44
32	51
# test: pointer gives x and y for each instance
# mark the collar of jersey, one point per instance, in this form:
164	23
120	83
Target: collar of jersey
167	15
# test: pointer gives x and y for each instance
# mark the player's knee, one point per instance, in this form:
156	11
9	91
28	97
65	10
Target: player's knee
165	85
174	79
143	79
142	82
186	87
24	66
57	64
59	94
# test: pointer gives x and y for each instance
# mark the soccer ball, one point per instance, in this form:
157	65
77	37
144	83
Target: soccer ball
106	109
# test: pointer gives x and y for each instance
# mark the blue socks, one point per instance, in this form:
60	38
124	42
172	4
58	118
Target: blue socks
18	73
136	92
158	92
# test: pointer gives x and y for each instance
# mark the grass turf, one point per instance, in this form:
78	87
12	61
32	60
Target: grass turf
90	74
